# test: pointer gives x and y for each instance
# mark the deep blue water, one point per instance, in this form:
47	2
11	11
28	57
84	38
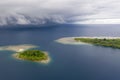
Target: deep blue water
69	62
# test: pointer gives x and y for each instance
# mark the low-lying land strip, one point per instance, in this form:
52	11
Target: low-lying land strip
113	42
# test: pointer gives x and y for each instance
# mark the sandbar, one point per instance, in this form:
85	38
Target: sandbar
17	48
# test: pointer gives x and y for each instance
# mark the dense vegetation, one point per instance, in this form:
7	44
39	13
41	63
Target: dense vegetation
33	55
114	43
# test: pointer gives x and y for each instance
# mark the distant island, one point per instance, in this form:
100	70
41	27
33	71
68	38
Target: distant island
33	55
113	42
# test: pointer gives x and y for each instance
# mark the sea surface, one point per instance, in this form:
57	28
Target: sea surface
69	62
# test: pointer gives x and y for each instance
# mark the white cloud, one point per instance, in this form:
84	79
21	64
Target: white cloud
100	21
60	11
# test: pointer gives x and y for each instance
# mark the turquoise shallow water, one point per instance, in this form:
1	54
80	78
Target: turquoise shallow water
69	62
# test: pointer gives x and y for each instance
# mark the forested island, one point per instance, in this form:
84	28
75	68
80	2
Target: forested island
107	42
33	55
27	52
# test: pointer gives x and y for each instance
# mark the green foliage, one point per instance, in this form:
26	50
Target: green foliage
33	55
114	43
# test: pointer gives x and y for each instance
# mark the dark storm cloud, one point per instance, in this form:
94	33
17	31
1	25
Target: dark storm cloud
61	11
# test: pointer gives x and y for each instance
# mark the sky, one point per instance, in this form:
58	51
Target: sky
60	11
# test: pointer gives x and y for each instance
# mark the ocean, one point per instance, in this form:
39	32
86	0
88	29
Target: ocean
69	62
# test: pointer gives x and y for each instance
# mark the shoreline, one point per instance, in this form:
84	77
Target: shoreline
100	37
71	41
42	61
18	48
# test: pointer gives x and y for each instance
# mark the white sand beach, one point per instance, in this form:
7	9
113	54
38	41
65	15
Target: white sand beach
70	41
47	60
17	48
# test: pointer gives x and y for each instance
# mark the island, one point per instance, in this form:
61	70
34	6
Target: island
33	55
113	42
106	42
27	52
